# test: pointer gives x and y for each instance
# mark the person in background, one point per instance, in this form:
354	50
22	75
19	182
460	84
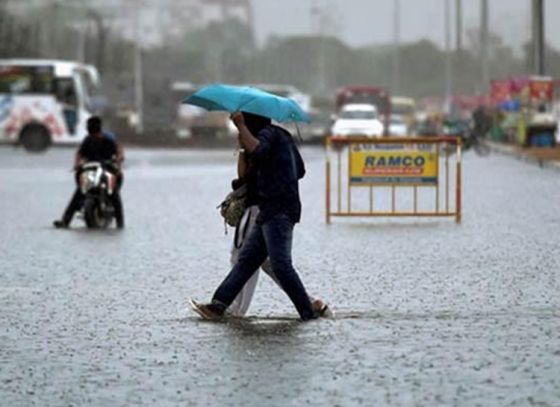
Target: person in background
482	121
102	147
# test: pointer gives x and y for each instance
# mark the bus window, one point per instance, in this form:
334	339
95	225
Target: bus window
26	80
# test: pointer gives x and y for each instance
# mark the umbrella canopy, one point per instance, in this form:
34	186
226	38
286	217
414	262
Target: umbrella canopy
247	99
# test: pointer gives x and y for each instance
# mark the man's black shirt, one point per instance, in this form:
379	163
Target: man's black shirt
95	148
279	166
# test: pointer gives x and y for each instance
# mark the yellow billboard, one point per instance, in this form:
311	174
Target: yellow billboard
390	164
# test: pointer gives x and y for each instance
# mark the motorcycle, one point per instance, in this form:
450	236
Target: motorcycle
98	184
469	138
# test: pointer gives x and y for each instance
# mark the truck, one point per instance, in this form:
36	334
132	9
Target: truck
45	102
378	97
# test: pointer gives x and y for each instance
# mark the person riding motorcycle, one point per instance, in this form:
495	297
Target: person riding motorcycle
102	147
453	126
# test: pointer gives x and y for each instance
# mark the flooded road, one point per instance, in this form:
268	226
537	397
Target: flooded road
428	312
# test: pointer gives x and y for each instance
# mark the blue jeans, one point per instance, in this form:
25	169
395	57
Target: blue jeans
274	240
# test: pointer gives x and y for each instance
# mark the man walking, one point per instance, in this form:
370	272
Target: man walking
279	166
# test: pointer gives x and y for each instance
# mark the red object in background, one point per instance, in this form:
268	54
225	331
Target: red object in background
500	90
518	83
541	89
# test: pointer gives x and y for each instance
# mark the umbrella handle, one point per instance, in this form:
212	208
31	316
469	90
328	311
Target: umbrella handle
298	133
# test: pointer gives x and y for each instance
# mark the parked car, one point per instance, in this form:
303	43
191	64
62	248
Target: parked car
372	95
357	120
398	127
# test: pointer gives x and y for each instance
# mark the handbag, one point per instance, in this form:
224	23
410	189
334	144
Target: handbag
233	206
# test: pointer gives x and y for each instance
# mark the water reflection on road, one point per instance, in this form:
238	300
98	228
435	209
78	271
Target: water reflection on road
428	312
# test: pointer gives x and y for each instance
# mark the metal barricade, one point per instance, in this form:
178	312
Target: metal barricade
388	167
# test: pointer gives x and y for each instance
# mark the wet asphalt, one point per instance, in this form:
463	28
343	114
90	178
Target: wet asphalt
428	312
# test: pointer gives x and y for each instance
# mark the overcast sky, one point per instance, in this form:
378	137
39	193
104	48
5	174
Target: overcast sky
361	22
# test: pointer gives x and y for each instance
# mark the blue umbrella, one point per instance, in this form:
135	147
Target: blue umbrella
247	99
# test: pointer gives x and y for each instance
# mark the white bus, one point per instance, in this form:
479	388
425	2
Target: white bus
44	102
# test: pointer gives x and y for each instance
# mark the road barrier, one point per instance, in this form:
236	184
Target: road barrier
403	177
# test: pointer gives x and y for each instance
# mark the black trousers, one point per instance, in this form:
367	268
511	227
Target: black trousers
78	200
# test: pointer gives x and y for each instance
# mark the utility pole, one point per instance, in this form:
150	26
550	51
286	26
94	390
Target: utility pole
459	26
538	43
458	66
448	85
100	31
396	88
485	74
318	16
138	86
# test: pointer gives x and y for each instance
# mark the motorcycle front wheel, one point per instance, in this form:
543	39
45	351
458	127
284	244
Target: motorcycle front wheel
94	215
